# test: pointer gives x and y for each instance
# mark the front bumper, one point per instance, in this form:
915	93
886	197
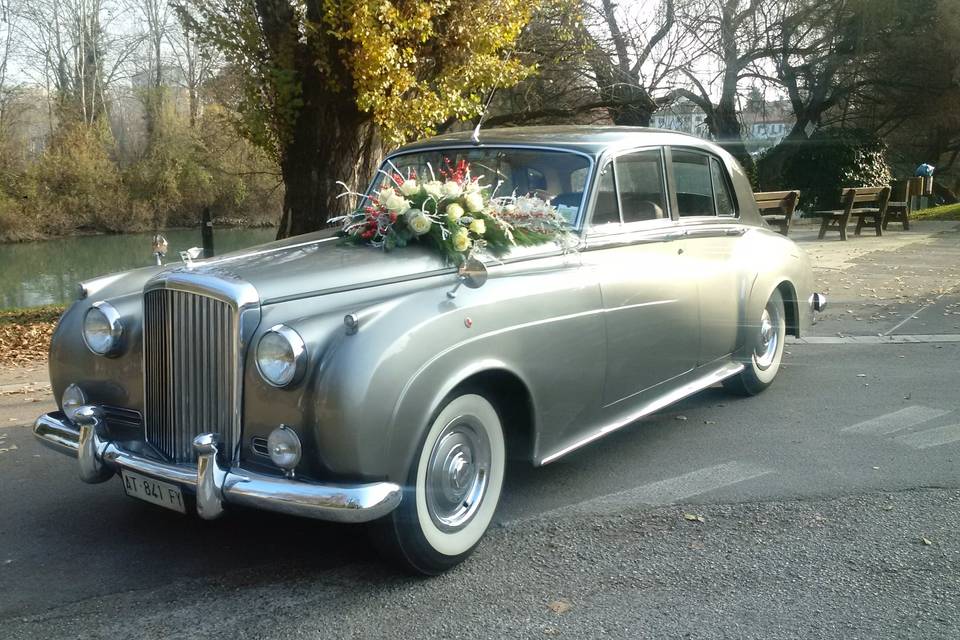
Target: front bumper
214	484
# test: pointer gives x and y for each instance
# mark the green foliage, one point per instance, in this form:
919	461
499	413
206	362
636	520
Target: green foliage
944	212
78	182
408	66
75	184
821	166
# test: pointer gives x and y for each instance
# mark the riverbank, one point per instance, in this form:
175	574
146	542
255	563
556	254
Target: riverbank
25	334
43	273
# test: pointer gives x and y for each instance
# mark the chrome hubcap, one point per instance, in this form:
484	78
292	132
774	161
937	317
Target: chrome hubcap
769	339
457	473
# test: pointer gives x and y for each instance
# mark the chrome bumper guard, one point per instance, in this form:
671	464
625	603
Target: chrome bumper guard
215	485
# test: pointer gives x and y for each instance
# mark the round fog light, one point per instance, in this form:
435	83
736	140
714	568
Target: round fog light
72	399
284	447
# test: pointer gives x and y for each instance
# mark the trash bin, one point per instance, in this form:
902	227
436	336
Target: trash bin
925	171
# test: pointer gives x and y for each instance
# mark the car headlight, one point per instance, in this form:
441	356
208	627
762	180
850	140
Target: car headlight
281	356
72	399
102	329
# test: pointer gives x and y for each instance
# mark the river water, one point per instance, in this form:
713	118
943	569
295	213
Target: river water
47	272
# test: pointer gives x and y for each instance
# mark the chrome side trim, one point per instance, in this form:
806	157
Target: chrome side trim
698	384
215	485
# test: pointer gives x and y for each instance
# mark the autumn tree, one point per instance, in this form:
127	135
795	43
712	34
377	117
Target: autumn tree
327	85
597	60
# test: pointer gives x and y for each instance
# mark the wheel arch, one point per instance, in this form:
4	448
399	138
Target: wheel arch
513	400
791	307
426	393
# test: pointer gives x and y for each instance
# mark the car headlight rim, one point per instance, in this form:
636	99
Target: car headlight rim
278	374
110	332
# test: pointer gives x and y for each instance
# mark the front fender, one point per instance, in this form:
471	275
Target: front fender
376	391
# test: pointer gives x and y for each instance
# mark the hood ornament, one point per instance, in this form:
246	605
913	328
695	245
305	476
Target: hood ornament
160	246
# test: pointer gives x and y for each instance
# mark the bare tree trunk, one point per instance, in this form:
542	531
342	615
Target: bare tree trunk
331	141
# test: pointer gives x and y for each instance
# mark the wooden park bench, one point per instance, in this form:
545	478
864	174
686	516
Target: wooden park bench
860	202
777	207
901	201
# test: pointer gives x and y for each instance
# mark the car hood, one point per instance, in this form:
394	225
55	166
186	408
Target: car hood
314	264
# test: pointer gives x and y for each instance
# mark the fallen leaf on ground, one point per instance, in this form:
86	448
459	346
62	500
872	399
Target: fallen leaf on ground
693	517
560	606
925	541
681	418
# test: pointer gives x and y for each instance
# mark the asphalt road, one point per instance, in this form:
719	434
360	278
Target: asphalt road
829	508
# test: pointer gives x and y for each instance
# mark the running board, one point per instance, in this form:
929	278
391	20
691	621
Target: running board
688	389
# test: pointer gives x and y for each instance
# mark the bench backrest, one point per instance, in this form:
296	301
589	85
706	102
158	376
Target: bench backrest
784	201
851	196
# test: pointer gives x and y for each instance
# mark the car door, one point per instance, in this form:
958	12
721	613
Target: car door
708	216
649	296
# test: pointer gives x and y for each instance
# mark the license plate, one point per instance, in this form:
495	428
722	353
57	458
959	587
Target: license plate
155	491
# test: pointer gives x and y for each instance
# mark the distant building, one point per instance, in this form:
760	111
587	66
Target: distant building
765	124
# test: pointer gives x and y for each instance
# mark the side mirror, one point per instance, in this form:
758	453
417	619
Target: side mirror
160	246
472	274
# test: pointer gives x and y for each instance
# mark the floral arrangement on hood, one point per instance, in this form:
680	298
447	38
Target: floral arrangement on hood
454	215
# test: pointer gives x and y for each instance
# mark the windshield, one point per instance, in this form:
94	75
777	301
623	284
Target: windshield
557	176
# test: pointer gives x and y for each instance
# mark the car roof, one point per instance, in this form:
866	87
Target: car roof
590	139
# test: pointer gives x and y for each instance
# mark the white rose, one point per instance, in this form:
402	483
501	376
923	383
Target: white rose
395	203
454	212
418	222
409	188
478	226
385	193
434	189
474	201
461	241
472	186
451	189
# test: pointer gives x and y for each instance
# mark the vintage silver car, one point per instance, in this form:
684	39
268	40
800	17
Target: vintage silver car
350	384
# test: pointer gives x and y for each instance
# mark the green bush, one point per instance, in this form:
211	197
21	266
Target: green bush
824	164
76	184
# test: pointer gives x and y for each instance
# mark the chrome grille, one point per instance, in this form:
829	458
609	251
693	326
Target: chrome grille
190	371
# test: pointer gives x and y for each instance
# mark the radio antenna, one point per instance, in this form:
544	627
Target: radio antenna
483	114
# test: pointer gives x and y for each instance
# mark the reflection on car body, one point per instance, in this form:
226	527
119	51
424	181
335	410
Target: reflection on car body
344	383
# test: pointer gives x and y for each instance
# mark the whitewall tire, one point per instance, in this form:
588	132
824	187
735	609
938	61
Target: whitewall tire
453	487
765	348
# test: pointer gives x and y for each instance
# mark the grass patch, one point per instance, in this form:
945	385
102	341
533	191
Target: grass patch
945	212
32	315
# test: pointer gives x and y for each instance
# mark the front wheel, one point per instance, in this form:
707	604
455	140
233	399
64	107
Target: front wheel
767	352
453	488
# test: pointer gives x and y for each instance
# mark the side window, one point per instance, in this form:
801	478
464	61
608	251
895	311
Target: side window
721	189
640	182
691	172
606	209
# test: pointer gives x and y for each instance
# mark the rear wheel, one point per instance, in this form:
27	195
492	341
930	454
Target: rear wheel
453	488
767	352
